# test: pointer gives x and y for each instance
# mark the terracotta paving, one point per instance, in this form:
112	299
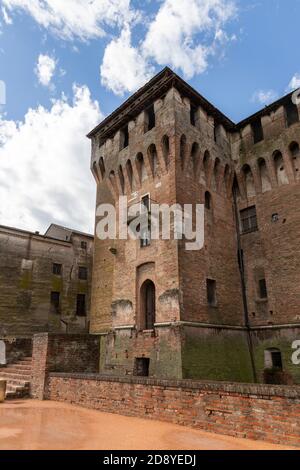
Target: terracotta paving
35	425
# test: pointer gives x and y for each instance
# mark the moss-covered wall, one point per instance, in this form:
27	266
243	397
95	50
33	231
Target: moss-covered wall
216	354
119	349
281	339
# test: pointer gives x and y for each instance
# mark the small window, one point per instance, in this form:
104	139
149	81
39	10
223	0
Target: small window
146	230
57	269
54	299
249	220
150	119
81	307
207	200
193	114
273	359
257	130
263	293
276	359
291	113
142	366
84	245
211	287
124	138
217	133
82	273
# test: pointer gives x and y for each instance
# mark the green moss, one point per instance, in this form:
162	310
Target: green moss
285	346
26	280
218	355
82	287
57	283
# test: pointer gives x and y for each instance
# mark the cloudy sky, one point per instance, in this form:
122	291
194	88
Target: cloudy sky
68	63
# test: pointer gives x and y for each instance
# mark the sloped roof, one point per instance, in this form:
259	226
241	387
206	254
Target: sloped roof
153	90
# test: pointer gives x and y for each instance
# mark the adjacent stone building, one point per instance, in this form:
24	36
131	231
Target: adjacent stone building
231	310
44	281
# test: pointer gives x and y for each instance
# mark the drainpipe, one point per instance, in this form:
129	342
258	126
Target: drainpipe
243	284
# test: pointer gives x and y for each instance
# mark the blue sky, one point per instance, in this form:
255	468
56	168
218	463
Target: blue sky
79	60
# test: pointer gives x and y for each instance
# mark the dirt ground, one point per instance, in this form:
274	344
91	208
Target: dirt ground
36	425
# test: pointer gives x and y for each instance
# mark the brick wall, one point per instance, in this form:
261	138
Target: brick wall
62	353
270	413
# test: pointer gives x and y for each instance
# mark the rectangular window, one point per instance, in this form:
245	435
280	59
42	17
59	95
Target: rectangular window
83	245
263	293
82	273
81	307
257	130
146	229
124	138
193	114
149	118
57	269
291	113
211	287
142	367
54	300
249	220
276	359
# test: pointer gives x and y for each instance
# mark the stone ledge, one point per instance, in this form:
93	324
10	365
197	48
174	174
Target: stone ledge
257	390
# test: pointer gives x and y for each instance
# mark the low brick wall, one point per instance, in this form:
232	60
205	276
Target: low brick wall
270	413
61	353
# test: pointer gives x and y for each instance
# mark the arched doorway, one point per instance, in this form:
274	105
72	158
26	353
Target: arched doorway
147	305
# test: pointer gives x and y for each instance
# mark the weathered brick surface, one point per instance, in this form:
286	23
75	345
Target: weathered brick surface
27	279
211	155
61	353
264	412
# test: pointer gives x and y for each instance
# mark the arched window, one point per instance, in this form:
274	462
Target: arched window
264	175
280	169
121	178
129	171
249	181
149	118
195	157
166	149
295	156
207	200
216	173
206	163
147	300
141	167
153	159
182	150
226	178
273	359
102	167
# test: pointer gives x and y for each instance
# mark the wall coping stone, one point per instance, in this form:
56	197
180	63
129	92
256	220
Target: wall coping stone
259	390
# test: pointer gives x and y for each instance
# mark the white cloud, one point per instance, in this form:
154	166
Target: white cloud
80	19
264	97
45	69
171	36
6	17
123	67
294	83
183	34
44	172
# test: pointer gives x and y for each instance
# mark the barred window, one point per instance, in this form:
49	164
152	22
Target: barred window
249	220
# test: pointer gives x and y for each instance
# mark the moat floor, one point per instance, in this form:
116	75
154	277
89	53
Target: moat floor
31	424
